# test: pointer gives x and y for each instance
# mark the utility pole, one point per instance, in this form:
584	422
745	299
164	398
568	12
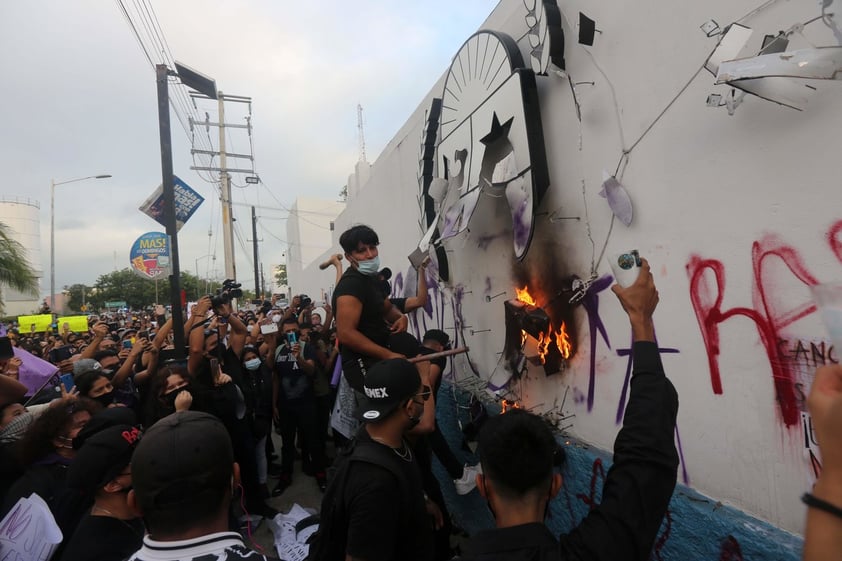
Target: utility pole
224	173
262	281
225	198
254	248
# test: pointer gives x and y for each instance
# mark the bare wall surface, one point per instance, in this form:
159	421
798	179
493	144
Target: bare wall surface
735	212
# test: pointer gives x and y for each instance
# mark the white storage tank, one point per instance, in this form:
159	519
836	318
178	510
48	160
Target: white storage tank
22	217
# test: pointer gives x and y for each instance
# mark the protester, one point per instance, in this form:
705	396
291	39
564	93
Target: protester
46	450
361	308
518	453
183	476
111	529
374	507
257	392
293	401
823	532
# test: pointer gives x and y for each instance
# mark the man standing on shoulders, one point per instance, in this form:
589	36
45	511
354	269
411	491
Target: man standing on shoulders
362	310
184	475
374	508
518	452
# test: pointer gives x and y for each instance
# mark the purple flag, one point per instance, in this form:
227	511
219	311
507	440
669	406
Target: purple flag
3	330
34	371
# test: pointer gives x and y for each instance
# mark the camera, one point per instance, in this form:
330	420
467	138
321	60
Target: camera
229	291
303	302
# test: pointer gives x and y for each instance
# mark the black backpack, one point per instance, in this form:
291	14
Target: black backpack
329	542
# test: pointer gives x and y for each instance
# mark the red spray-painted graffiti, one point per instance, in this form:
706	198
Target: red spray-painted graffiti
769	315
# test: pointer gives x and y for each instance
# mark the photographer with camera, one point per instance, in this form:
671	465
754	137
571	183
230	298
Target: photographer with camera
214	361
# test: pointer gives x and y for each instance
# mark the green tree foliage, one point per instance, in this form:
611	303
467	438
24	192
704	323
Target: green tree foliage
281	275
137	292
15	270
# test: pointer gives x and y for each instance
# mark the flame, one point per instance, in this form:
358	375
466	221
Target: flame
524	296
562	340
543	343
508	405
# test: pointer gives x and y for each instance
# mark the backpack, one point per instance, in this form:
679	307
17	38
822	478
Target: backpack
329	543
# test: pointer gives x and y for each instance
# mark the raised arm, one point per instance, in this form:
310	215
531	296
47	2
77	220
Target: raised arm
823	533
640	483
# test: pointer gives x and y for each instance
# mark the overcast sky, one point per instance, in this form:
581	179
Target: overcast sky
78	99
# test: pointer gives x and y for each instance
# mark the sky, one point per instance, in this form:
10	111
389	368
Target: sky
79	99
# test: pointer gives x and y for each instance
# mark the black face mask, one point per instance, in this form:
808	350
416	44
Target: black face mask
105	399
169	398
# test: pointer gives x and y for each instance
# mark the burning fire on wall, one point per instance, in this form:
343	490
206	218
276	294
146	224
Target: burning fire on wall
524	319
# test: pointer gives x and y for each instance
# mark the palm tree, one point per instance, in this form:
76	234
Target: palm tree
15	270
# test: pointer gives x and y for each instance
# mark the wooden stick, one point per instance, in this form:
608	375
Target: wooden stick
327	264
433	356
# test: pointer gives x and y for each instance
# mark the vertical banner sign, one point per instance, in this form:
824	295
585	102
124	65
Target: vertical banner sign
150	255
186	202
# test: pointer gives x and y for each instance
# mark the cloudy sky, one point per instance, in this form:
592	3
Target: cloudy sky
79	99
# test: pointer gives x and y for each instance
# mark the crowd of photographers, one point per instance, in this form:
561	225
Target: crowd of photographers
70	438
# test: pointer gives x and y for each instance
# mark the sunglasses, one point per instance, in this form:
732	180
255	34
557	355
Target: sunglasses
425	393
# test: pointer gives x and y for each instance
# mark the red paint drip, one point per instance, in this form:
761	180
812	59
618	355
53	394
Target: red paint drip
597	473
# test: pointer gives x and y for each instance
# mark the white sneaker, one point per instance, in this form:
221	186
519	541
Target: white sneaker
468	480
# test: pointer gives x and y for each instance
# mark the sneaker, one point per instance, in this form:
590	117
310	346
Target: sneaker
284	482
468	481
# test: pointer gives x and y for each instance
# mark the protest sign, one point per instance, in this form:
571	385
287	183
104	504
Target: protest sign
33	371
76	324
41	323
29	531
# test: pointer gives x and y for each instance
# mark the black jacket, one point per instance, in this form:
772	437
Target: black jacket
636	493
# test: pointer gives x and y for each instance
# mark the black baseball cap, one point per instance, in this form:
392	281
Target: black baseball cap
387	384
183	456
102	458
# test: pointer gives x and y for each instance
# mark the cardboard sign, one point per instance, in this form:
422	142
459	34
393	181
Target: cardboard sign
29	532
41	323
76	324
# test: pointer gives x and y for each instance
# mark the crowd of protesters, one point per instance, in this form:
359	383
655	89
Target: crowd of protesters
143	452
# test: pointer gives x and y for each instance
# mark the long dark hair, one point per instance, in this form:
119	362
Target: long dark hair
37	442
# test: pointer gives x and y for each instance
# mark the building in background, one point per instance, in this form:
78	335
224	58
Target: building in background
309	235
22	216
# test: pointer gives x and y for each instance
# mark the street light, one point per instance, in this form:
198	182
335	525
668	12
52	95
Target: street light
53	185
197	271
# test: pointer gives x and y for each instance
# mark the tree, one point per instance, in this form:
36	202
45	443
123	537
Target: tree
280	275
15	270
137	292
79	295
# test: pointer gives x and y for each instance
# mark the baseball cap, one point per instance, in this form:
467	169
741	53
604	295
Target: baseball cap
101	420
387	384
183	456
103	457
85	365
438	336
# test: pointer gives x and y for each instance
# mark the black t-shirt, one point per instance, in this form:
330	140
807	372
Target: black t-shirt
399	303
103	538
366	289
382	522
295	383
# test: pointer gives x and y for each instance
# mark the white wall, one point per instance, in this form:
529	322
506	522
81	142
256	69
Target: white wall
705	186
309	236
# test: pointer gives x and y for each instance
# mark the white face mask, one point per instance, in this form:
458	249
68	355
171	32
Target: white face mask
369	267
253	364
